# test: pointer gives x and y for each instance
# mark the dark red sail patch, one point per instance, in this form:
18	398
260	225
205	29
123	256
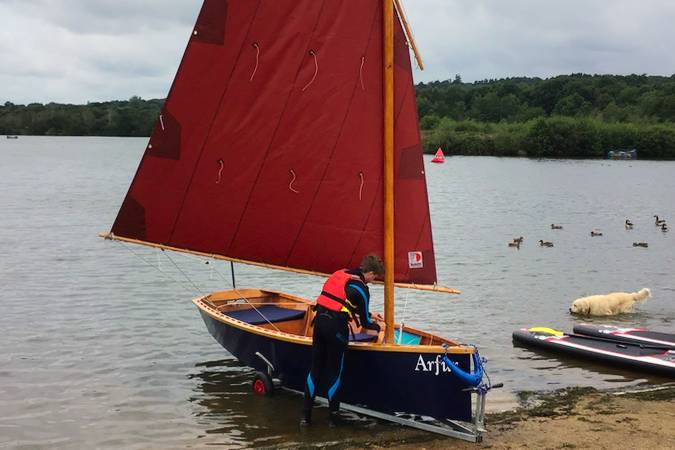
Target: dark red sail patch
130	220
165	140
210	26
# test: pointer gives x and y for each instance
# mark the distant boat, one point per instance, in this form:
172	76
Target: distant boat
12	137
439	158
622	154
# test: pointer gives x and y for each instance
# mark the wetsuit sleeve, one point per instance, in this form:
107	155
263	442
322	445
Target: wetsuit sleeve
359	296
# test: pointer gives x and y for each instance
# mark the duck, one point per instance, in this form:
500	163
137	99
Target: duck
518	240
556	227
664	227
514	244
658	222
629	224
596	233
545	243
640	244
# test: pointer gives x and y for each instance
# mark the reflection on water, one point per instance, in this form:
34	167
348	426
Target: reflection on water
231	414
102	348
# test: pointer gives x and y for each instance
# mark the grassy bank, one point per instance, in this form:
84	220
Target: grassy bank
554	137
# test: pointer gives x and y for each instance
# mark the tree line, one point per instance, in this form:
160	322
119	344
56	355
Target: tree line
569	116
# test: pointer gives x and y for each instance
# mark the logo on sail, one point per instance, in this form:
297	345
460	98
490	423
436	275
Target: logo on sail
415	260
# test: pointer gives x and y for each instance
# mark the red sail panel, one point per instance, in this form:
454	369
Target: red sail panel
269	148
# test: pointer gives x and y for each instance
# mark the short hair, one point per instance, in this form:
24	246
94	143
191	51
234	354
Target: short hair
372	263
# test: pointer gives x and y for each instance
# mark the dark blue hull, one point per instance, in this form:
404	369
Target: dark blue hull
389	382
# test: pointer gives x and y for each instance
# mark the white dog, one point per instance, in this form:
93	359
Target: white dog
610	304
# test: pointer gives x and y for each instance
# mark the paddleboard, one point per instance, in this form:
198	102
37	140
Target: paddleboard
652	359
634	335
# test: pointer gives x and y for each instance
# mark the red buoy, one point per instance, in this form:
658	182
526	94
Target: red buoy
439	158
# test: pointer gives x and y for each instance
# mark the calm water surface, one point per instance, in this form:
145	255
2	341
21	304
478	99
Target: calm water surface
101	347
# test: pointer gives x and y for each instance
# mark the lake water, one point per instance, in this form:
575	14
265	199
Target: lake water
100	349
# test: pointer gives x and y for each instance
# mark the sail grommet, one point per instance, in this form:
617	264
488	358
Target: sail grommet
316	70
290	185
194	33
149	145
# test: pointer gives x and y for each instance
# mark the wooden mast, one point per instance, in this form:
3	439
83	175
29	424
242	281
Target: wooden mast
388	17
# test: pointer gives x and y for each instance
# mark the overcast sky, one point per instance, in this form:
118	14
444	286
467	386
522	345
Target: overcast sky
74	51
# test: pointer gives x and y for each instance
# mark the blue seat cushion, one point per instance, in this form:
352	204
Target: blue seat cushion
362	337
265	313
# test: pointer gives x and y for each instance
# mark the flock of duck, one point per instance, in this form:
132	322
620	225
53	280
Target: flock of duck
661	223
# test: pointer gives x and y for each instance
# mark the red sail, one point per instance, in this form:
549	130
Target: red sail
269	146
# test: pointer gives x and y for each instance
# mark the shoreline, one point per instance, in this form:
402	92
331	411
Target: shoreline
579	417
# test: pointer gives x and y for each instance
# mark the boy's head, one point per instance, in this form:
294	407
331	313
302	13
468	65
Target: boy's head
372	267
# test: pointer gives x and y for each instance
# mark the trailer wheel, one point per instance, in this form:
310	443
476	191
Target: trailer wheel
262	384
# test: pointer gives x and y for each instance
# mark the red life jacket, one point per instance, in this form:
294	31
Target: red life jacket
333	296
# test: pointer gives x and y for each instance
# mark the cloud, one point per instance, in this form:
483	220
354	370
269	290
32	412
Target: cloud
76	51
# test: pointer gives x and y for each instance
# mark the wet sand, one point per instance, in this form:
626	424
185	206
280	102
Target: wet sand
572	418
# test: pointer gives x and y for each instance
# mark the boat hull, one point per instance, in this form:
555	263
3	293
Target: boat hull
391	382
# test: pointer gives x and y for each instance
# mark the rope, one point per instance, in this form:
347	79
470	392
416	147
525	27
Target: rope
178	282
316	69
363	61
161	122
361	188
290	185
222	165
257	60
256	309
405	308
181	271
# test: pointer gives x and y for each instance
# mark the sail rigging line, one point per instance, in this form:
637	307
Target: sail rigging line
257	59
220	171
332	153
178	282
290	185
242	297
208	132
161	122
316	70
184	274
361	187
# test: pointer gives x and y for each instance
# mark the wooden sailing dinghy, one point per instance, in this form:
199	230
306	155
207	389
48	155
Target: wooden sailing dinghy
288	128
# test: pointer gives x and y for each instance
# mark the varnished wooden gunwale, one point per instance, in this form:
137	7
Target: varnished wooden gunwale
214	312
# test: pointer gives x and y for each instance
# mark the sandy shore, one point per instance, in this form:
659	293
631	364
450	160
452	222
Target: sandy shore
567	419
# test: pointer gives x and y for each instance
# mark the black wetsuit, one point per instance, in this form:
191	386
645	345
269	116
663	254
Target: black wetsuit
329	342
